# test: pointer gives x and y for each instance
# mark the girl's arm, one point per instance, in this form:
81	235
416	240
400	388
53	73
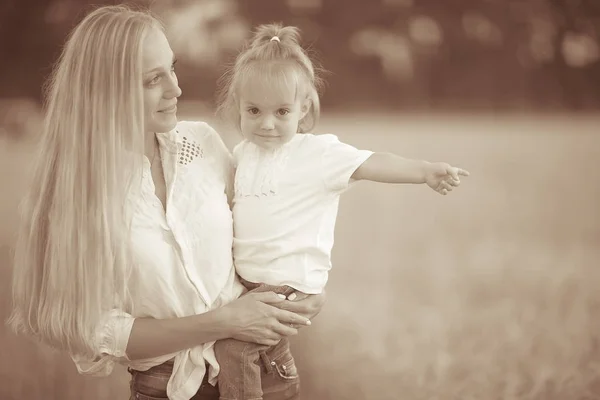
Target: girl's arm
391	168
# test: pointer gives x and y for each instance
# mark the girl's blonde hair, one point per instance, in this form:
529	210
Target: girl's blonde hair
273	48
72	256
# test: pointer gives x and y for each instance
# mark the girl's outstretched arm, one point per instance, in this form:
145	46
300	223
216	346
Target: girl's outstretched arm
391	168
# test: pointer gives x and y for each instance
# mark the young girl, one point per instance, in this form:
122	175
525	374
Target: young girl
287	186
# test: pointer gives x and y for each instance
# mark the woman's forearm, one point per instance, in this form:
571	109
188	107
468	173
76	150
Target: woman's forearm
156	337
254	317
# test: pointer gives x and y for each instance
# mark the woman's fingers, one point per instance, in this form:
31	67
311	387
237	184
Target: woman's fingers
258	318
302	307
297	296
285	329
274	330
277	308
308	307
268	297
268	342
270	338
287	317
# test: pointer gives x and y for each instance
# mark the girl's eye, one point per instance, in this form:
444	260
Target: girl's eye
173	65
283	111
253	111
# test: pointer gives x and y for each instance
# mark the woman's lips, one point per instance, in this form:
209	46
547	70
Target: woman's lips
171	109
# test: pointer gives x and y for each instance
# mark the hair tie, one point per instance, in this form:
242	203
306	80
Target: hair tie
275	38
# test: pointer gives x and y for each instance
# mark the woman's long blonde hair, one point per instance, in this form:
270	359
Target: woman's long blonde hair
72	255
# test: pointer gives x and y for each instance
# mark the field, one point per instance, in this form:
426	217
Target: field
489	293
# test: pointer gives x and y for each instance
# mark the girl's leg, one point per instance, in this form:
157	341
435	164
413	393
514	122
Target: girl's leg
280	379
241	363
240	369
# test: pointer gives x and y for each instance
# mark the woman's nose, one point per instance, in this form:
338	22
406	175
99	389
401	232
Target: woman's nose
173	90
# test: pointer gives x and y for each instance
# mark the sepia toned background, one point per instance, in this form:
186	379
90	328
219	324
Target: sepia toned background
492	292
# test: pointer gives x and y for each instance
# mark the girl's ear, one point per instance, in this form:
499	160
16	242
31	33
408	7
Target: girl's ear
306	104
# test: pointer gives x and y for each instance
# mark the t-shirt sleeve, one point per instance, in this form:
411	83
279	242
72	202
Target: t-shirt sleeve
339	161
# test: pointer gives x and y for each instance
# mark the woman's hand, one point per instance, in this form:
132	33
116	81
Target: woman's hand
260	318
307	305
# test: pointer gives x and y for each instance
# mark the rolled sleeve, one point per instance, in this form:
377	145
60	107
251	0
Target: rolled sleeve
111	338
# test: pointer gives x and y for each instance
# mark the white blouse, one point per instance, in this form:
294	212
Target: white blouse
184	259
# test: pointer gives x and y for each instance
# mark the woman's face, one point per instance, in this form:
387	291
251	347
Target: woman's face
161	88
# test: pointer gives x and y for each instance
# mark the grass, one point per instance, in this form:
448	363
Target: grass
488	293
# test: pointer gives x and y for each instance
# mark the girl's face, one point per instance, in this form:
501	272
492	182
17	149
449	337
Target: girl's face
161	88
270	111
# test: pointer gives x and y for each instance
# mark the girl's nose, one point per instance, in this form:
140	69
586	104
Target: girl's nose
267	123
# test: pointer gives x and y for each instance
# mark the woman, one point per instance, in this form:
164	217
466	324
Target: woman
125	251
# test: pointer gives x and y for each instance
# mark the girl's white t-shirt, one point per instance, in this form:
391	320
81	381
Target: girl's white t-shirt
285	206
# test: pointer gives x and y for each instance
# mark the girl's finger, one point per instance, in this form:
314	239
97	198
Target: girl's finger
453	182
447	186
453	172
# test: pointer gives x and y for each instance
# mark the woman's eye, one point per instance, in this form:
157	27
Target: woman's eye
154	80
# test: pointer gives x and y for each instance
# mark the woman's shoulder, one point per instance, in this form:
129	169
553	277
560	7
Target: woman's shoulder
195	130
201	135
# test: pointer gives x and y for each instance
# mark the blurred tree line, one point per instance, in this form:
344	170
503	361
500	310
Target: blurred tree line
384	54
